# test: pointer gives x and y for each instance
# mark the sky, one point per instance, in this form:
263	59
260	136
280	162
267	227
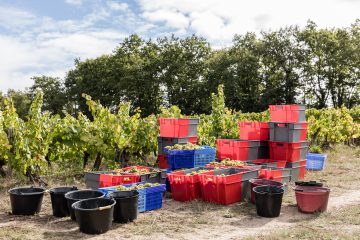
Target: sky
43	37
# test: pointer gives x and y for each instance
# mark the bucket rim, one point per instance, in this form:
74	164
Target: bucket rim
135	193
83	190
11	191
73	188
73	206
269	193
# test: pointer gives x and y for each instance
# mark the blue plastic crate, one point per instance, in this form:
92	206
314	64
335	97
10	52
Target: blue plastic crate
144	204
142	194
315	161
190	158
204	156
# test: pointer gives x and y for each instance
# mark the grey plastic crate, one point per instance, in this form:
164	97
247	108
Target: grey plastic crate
258	150
167	141
294	164
287	132
295	173
193	124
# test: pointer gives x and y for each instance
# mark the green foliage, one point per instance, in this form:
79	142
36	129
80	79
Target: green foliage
43	142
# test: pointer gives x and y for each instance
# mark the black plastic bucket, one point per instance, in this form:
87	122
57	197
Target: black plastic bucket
26	200
74	196
126	208
255	182
268	200
95	215
59	202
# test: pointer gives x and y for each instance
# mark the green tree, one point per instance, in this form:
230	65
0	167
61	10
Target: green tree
54	93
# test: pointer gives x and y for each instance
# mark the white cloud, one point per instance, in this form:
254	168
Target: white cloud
74	2
219	20
116	6
12	18
35	45
171	18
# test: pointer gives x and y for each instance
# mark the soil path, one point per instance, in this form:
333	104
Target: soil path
251	226
225	228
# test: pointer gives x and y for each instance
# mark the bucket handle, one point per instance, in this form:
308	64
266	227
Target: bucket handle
104	208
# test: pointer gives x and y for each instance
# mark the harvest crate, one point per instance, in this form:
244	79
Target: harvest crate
298	169
178	127
185	187
231	188
273	173
190	158
288	132
155	175
268	163
287	113
242	149
167	141
290	152
315	161
149	198
254	131
162	162
95	180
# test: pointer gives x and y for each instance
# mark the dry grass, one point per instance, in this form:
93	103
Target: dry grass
199	220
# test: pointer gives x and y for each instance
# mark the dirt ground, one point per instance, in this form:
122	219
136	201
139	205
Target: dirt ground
199	220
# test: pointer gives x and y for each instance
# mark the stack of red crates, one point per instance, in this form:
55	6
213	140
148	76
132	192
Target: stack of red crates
175	131
288	130
253	143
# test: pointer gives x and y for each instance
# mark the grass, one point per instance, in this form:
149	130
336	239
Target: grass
200	220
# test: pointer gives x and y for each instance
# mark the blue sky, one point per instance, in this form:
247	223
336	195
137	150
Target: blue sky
42	37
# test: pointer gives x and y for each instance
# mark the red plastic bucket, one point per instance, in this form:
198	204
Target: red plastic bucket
312	199
261	182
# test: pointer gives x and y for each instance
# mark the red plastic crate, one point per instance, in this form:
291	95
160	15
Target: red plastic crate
106	180
124	179
285	151
162	161
254	131
270	174
232	149
184	188
225	148
178	127
287	113
221	190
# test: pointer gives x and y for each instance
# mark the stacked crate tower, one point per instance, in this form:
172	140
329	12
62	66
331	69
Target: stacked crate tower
175	131
288	130
252	144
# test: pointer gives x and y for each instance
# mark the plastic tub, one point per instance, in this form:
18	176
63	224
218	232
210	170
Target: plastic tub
94	216
268	200
74	196
58	201
26	200
262	182
312	199
126	207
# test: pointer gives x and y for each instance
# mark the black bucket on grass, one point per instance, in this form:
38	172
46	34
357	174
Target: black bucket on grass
59	202
126	208
26	200
268	200
74	196
95	215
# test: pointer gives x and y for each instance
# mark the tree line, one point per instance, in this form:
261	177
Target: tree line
311	65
